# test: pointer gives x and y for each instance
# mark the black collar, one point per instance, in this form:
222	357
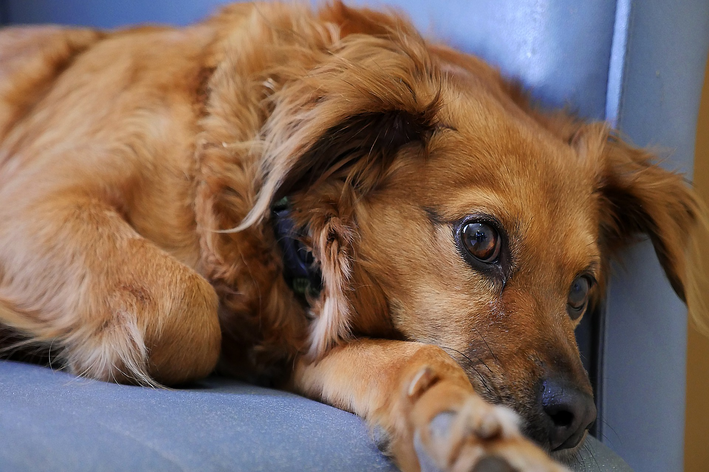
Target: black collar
299	268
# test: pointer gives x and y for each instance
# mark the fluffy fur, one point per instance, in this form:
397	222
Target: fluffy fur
135	192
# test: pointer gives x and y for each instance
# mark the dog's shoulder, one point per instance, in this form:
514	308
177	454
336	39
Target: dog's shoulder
34	51
31	57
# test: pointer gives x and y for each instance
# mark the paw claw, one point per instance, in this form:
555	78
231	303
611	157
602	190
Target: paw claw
421	381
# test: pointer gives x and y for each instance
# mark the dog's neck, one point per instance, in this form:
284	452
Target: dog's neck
299	269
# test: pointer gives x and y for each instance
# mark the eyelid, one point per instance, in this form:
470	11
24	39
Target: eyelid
592	281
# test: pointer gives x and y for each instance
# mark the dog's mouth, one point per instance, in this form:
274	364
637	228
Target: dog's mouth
567	455
556	414
541	433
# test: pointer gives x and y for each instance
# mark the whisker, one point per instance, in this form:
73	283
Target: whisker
494	356
472	365
602	420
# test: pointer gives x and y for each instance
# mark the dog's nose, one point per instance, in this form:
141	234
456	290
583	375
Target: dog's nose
570	410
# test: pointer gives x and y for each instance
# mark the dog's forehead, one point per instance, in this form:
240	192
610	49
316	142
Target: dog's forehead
496	161
492	153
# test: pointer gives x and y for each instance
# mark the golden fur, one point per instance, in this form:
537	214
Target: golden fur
137	173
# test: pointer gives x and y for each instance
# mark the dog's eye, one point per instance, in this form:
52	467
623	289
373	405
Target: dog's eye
578	297
481	241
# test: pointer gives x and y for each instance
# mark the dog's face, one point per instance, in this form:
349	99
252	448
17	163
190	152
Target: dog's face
443	209
489	247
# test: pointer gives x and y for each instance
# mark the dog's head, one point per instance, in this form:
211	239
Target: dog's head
442	208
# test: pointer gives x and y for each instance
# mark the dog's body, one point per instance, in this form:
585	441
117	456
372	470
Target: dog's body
449	220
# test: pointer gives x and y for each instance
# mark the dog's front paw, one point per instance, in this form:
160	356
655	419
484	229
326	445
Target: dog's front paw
456	430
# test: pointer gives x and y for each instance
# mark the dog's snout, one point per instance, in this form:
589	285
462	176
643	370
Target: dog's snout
569	412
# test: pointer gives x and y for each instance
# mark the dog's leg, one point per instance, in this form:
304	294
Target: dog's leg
424	402
76	275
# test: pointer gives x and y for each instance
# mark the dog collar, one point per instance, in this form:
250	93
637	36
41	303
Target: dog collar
299	268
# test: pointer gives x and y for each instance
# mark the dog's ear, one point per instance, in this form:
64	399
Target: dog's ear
330	138
346	118
636	195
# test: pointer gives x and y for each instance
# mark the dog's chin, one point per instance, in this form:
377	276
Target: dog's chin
567	456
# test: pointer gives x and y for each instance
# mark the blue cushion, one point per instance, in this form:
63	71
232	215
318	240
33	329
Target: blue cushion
52	421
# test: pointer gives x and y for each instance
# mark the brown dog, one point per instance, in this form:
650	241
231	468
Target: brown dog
457	234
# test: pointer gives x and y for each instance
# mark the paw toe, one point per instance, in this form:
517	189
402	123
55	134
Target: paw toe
426	462
499	421
440	426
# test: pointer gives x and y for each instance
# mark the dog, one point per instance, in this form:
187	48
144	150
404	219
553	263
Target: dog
324	201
